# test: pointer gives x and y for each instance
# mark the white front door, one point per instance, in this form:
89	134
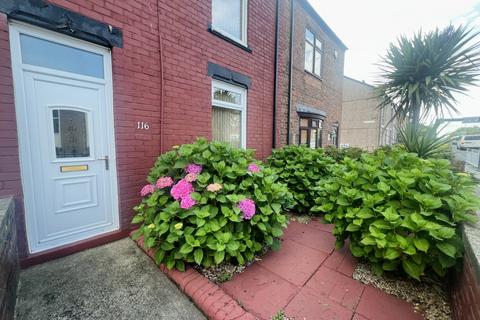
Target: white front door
63	100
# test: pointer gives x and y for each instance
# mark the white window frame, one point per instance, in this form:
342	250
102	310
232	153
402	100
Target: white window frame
316	50
244	29
242	107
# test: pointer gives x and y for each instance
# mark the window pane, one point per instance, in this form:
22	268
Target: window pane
70	133
313	138
315	123
48	54
303	122
303	136
319	44
227	15
318	63
227	96
309	36
226	126
308	57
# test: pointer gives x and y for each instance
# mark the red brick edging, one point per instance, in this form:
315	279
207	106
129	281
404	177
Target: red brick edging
211	299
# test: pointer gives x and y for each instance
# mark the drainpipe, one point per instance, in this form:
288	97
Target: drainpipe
275	79
290	76
380	124
162	79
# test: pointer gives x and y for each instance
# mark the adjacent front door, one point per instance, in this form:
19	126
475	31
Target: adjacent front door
64	113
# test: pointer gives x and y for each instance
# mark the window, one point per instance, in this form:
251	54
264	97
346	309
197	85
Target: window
469	138
313	53
311	132
48	54
334	136
229	17
70	133
229	113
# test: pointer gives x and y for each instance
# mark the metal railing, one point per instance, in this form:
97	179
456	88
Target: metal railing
472	157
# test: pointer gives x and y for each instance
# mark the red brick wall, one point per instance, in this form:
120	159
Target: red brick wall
324	94
186	47
465	292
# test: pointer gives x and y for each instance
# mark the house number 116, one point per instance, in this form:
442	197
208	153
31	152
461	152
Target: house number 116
143	125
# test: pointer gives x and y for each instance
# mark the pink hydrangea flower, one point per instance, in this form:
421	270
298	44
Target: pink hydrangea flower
187	202
147	189
214	187
247	206
193	168
182	189
164	182
253	167
190	177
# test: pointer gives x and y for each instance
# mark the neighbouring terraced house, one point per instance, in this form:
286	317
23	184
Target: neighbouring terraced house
364	125
91	92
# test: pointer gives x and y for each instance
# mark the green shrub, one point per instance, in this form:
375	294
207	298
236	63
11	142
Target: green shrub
398	210
338	154
212	219
300	168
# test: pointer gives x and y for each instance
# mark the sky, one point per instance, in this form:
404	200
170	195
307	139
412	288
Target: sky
368	27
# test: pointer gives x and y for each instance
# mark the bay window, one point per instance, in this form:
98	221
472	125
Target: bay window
229	113
311	132
229	17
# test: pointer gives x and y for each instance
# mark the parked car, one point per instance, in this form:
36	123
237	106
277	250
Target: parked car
468	142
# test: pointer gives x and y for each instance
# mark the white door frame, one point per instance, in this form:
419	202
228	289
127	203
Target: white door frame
15	28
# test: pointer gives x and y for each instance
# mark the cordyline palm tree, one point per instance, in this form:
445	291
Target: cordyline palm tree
421	75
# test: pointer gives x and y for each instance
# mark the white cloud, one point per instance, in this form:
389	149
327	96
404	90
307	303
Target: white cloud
368	27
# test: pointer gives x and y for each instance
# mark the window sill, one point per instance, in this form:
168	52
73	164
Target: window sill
314	75
228	39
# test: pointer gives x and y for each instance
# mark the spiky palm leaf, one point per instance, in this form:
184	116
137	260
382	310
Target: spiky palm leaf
426	141
422	74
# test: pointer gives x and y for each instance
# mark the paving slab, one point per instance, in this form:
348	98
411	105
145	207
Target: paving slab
320	225
115	281
357	316
310	237
260	291
336	286
293	262
377	305
307	305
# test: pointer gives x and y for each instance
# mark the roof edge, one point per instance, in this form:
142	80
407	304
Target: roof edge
311	10
359	81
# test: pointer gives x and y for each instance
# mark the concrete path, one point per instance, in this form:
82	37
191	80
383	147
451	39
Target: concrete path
308	279
114	281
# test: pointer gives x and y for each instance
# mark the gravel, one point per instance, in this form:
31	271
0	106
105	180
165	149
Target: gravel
300	218
429	297
226	270
220	273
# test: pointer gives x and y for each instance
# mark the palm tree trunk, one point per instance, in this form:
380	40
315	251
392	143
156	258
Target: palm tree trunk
415	116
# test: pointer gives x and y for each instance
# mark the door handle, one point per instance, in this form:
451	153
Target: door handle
106	161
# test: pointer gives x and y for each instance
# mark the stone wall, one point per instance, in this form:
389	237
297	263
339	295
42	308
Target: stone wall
9	266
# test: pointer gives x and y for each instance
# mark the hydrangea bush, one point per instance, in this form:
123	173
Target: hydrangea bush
207	202
399	211
300	168
338	154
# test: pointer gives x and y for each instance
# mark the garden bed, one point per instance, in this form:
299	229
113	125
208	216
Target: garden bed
429	297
